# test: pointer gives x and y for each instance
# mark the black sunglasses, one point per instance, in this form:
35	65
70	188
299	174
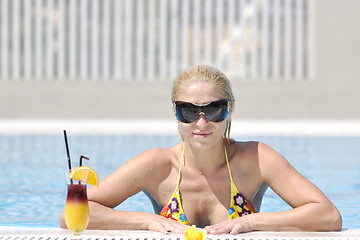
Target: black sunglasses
216	111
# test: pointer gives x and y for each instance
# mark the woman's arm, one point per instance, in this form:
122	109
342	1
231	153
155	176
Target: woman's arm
129	179
312	210
102	217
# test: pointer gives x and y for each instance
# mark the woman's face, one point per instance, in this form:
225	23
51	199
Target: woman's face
202	133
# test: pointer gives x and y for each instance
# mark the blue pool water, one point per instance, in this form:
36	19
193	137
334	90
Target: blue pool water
33	190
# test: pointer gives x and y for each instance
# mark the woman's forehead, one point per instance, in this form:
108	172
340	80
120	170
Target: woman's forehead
200	92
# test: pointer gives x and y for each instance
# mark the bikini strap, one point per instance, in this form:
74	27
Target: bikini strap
181	164
228	165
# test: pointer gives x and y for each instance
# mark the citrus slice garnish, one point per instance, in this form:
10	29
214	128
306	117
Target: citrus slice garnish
194	234
80	174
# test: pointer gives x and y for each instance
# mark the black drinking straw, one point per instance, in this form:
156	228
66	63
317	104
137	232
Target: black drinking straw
81	157
68	153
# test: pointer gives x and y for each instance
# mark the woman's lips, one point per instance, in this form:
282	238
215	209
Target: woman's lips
202	134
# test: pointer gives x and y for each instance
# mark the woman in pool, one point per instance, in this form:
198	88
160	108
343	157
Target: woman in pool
209	180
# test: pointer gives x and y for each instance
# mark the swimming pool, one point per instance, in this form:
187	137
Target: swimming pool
32	182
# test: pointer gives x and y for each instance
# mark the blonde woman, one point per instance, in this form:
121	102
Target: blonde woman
209	180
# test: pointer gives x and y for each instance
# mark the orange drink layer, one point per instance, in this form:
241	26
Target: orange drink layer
76	208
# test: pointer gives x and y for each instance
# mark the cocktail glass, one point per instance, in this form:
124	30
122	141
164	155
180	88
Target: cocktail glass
77	206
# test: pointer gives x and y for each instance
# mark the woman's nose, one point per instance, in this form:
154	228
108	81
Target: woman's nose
202	119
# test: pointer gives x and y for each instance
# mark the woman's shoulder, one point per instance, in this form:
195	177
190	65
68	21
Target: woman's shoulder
159	157
251	146
162	153
245	146
244	153
253	151
265	156
156	164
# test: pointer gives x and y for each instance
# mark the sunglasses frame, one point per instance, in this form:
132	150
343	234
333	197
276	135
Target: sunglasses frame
199	106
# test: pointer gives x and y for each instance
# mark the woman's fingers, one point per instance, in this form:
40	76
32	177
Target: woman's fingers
235	226
164	225
218	229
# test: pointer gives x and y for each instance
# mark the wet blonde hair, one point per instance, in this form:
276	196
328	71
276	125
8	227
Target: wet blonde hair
205	73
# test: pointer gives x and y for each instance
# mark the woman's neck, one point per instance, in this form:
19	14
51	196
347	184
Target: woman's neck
204	160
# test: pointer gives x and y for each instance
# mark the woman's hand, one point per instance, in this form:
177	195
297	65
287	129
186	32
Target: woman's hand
233	226
165	225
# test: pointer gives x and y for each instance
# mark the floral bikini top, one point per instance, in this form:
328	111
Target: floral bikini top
239	206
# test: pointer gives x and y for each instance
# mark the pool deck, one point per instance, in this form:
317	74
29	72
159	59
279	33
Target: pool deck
17	233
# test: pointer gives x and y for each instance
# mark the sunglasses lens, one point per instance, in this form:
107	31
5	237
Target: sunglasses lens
186	112
215	111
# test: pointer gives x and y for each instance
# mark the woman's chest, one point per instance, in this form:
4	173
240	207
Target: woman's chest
206	200
204	203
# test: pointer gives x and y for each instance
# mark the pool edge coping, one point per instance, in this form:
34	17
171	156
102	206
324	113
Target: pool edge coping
28	231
